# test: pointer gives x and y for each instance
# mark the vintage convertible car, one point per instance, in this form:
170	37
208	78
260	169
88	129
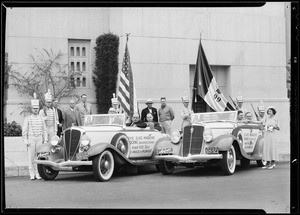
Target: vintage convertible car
214	138
102	145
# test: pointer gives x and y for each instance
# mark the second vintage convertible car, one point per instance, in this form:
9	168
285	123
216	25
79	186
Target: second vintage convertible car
102	145
214	138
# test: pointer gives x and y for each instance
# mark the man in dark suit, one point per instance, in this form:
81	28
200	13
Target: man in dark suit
136	122
149	109
59	117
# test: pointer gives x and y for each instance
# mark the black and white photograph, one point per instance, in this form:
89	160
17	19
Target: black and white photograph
149	108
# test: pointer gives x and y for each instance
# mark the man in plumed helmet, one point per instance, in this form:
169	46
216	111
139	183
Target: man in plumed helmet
34	134
48	115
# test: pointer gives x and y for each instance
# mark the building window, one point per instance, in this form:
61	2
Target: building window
79	62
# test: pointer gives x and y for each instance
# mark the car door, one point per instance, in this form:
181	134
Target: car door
248	135
142	142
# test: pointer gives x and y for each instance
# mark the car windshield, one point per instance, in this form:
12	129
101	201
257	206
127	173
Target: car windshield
214	116
104	119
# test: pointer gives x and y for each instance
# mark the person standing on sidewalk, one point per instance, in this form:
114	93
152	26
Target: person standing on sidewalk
48	114
166	116
59	117
34	134
270	153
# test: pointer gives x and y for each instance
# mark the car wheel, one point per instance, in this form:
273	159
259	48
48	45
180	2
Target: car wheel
261	163
166	167
46	172
228	161
157	167
245	163
121	142
103	166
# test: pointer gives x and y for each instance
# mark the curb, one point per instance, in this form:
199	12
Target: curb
13	171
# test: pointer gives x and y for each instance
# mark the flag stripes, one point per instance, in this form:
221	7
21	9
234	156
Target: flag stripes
126	90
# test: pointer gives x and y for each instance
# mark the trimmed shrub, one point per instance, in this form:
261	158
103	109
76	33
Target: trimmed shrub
106	70
12	129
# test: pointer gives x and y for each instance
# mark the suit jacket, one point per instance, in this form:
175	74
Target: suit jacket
139	124
145	111
71	117
60	121
83	110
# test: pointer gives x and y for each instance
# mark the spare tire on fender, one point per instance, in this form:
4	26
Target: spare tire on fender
121	142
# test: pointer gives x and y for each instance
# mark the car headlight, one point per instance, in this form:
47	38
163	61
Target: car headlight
54	140
207	135
175	136
85	140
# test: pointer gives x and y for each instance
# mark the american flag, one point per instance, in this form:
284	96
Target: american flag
126	91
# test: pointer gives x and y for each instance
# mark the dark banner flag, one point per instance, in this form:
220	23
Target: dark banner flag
206	87
125	88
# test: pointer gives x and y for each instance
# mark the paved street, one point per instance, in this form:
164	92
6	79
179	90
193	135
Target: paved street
196	188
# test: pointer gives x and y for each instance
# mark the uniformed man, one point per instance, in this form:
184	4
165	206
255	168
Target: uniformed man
34	134
115	104
48	115
240	102
185	112
261	112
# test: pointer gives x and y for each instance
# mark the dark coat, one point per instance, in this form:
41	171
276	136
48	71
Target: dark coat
139	124
61	121
145	111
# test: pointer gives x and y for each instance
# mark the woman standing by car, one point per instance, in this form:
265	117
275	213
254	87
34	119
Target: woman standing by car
270	149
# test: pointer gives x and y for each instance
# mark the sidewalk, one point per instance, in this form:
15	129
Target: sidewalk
16	160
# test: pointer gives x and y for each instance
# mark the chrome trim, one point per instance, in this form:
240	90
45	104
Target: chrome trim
63	164
189	159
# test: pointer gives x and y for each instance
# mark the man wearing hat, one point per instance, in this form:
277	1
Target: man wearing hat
83	108
239	101
34	134
48	114
114	103
149	109
185	112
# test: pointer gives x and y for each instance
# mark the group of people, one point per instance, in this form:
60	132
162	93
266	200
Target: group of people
268	124
41	125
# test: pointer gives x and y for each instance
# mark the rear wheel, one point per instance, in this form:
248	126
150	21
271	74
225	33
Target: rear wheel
245	163
103	166
228	161
46	172
166	167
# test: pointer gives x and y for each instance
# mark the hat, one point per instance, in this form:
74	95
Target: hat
48	96
261	108
35	102
239	99
112	110
149	101
185	99
270	107
114	100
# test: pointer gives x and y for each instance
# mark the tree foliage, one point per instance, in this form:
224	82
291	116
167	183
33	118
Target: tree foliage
106	70
46	72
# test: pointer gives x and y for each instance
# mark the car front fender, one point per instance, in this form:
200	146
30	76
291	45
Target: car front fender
165	142
223	142
100	147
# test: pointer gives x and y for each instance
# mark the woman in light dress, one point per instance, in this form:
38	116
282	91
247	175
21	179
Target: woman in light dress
271	124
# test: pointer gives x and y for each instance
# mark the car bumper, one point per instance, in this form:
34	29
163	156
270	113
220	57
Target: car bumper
188	159
63	164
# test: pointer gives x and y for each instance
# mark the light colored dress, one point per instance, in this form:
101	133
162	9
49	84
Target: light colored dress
270	148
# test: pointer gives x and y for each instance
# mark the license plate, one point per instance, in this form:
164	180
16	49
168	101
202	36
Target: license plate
165	151
211	150
82	156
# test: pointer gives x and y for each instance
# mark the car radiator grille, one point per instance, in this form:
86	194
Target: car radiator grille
71	143
192	140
